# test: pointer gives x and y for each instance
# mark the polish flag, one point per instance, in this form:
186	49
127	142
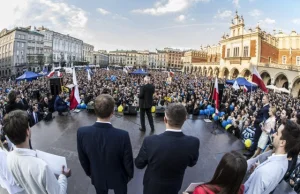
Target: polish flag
245	89
74	97
59	74
171	73
216	96
257	79
51	74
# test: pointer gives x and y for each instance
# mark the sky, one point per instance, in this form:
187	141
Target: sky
149	24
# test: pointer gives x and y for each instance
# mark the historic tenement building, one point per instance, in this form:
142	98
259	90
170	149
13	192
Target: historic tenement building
88	51
276	56
21	49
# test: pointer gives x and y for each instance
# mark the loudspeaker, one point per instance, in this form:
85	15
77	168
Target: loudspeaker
130	110
55	86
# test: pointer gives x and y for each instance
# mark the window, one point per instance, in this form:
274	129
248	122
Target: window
228	52
17	52
298	60
270	60
283	59
246	48
236	51
19	36
22	44
18	44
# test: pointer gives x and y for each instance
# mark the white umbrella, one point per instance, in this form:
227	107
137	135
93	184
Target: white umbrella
272	87
284	90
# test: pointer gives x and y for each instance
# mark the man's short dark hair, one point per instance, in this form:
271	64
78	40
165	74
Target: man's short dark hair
291	133
106	91
12	96
15	125
176	114
104	105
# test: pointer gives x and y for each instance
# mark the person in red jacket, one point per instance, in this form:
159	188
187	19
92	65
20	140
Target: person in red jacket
228	176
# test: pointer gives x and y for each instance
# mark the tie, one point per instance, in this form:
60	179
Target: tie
35	116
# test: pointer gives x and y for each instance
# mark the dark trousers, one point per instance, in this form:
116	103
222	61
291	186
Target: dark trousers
119	190
62	108
149	115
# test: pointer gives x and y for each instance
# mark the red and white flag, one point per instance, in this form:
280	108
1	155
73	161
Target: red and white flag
171	73
257	79
216	96
74	97
51	73
245	89
59	74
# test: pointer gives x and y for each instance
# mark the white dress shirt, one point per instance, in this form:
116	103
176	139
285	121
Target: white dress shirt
103	122
33	174
174	130
7	180
267	175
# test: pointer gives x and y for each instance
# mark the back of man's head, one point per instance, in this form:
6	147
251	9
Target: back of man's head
12	96
175	114
15	126
104	106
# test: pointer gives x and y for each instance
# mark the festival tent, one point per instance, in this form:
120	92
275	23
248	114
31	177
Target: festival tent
139	72
243	82
28	76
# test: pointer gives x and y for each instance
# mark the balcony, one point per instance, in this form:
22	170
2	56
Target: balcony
280	66
237	60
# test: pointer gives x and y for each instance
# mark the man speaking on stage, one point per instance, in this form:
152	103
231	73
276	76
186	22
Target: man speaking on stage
145	103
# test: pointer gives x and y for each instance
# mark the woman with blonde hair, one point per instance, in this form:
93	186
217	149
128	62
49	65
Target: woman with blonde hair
267	128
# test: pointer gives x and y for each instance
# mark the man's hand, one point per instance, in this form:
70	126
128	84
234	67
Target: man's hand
66	172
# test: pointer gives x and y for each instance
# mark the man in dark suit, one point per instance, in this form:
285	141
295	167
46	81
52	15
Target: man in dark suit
145	103
167	155
34	116
105	152
60	105
262	116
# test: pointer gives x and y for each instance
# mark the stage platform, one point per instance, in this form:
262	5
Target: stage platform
59	137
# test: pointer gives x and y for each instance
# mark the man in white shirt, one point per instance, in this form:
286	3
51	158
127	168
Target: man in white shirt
30	172
267	175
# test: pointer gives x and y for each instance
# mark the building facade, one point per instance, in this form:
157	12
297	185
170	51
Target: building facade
21	49
276	56
117	58
88	51
174	58
100	59
142	59
48	44
162	59
35	51
153	60
131	58
67	50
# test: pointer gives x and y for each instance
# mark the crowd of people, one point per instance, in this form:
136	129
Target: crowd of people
272	120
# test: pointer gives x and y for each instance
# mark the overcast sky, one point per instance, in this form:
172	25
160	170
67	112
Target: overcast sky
149	24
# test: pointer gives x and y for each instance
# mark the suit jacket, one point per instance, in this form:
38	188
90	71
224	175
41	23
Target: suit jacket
32	122
105	154
166	156
59	102
146	96
262	114
14	106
